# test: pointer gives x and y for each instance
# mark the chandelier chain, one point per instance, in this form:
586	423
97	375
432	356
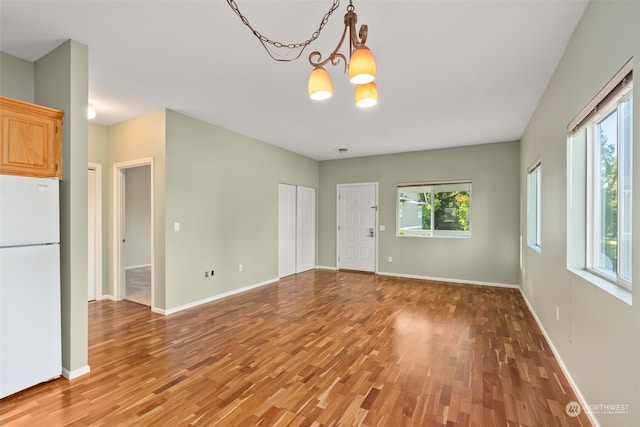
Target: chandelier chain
267	41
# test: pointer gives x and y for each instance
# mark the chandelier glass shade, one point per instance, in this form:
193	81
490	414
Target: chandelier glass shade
320	84
362	67
366	95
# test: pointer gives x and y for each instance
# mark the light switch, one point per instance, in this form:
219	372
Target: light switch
176	226
382	228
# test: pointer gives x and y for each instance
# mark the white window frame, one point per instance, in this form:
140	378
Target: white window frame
582	247
623	183
420	187
534	205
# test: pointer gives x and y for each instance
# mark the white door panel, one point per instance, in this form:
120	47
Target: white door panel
305	229
357	209
286	230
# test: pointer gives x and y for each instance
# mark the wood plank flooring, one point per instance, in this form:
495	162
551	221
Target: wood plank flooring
321	348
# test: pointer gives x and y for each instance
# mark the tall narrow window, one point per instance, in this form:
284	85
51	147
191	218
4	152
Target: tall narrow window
610	144
601	186
534	199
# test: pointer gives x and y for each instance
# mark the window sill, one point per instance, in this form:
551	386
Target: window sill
535	248
435	236
614	290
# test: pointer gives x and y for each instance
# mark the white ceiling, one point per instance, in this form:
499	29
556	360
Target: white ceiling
450	72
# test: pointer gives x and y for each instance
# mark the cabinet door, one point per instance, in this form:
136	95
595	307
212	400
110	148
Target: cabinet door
31	141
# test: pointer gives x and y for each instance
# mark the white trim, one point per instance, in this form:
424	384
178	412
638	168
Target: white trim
109	297
137	266
213	298
76	372
583	402
428	183
326	267
97	167
441	279
118	224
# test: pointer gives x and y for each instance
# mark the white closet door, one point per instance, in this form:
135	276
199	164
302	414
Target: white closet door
306	229
286	230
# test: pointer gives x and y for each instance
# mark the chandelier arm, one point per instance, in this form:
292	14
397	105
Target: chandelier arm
364	31
334	56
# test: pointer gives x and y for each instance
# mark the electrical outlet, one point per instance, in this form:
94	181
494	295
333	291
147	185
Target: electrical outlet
206	274
390	259
240	268
557	312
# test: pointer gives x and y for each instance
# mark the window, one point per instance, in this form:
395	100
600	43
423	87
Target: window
602	141
610	161
534	198
434	209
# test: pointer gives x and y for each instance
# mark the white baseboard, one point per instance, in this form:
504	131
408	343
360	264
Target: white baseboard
322	267
76	372
109	297
442	279
213	298
572	383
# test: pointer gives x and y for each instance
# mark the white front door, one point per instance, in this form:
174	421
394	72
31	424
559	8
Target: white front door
357	217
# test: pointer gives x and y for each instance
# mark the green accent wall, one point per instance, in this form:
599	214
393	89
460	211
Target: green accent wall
492	253
597	334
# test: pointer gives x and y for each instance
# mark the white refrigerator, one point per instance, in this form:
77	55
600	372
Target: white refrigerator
30	322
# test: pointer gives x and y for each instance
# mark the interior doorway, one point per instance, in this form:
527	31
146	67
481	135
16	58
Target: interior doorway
94	231
133	236
357	221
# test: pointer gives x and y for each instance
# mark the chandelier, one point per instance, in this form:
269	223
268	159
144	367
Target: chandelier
361	65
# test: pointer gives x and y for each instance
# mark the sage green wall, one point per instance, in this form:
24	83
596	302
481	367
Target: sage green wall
62	82
139	138
597	334
222	188
491	255
17	78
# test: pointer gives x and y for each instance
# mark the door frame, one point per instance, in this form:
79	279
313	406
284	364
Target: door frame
375	227
118	225
97	221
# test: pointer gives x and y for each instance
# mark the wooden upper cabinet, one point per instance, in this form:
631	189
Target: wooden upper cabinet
31	142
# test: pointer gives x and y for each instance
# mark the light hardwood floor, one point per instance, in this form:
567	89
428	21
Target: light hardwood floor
321	348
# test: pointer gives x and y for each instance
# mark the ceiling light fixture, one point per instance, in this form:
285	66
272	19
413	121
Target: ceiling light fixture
91	112
361	65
